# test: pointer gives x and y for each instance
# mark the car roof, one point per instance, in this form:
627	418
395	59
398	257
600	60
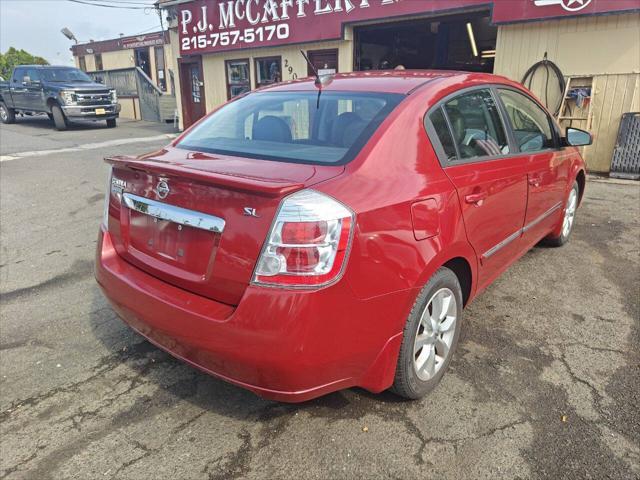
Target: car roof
45	66
383	81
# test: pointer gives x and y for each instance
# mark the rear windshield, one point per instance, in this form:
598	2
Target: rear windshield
293	126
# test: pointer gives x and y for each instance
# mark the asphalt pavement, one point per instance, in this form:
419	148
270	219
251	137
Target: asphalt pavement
545	382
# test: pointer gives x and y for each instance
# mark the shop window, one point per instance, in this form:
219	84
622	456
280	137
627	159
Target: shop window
160	68
476	125
268	71
531	126
196	96
238	79
324	61
99	65
82	63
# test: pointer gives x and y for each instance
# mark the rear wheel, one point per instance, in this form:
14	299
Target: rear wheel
59	119
430	336
567	220
7	115
111	123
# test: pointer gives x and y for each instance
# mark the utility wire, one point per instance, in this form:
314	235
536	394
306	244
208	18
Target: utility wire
125	4
133	2
143	31
119	2
85	2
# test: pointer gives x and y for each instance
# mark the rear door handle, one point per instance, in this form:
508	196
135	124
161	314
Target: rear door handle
476	198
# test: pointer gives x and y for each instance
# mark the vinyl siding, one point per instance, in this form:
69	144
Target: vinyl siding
604	47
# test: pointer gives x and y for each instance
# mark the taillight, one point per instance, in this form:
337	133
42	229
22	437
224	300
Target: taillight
107	198
308	242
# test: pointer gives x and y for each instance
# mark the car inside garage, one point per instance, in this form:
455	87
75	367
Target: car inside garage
457	42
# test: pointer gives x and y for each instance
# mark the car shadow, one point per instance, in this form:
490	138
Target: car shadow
43	122
177	381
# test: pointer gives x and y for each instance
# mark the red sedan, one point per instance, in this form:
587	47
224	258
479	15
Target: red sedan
299	240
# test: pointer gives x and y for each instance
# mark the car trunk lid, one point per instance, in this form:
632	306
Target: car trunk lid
198	221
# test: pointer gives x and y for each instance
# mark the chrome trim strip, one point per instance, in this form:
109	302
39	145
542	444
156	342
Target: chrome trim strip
174	214
79	105
515	235
535	222
302	245
502	244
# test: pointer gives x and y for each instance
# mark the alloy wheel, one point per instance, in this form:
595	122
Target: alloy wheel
3	113
570	212
435	333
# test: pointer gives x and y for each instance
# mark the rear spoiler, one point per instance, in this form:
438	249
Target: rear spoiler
227	180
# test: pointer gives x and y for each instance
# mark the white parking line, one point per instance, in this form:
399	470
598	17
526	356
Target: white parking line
87	146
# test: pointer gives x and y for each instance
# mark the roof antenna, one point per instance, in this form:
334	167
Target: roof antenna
321	81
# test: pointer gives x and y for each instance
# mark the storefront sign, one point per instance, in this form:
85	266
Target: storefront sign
568	5
214	26
140	41
511	11
143	41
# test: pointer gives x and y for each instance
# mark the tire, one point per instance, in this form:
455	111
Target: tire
414	376
111	123
59	120
7	115
568	218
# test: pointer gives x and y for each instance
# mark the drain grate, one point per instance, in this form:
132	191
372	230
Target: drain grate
626	156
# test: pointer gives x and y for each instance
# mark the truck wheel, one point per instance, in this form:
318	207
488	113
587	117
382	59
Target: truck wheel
111	123
58	118
7	115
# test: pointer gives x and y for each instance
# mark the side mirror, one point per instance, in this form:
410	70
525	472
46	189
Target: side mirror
577	138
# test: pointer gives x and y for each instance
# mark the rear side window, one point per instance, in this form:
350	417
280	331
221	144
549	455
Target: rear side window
476	125
444	134
531	125
293	126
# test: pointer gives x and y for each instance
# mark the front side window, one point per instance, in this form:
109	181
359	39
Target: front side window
291	126
238	80
476	125
268	71
18	75
33	74
531	125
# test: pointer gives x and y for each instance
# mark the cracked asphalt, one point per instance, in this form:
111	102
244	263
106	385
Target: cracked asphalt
545	382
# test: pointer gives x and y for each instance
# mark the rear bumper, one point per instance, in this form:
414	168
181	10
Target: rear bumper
283	345
89	112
